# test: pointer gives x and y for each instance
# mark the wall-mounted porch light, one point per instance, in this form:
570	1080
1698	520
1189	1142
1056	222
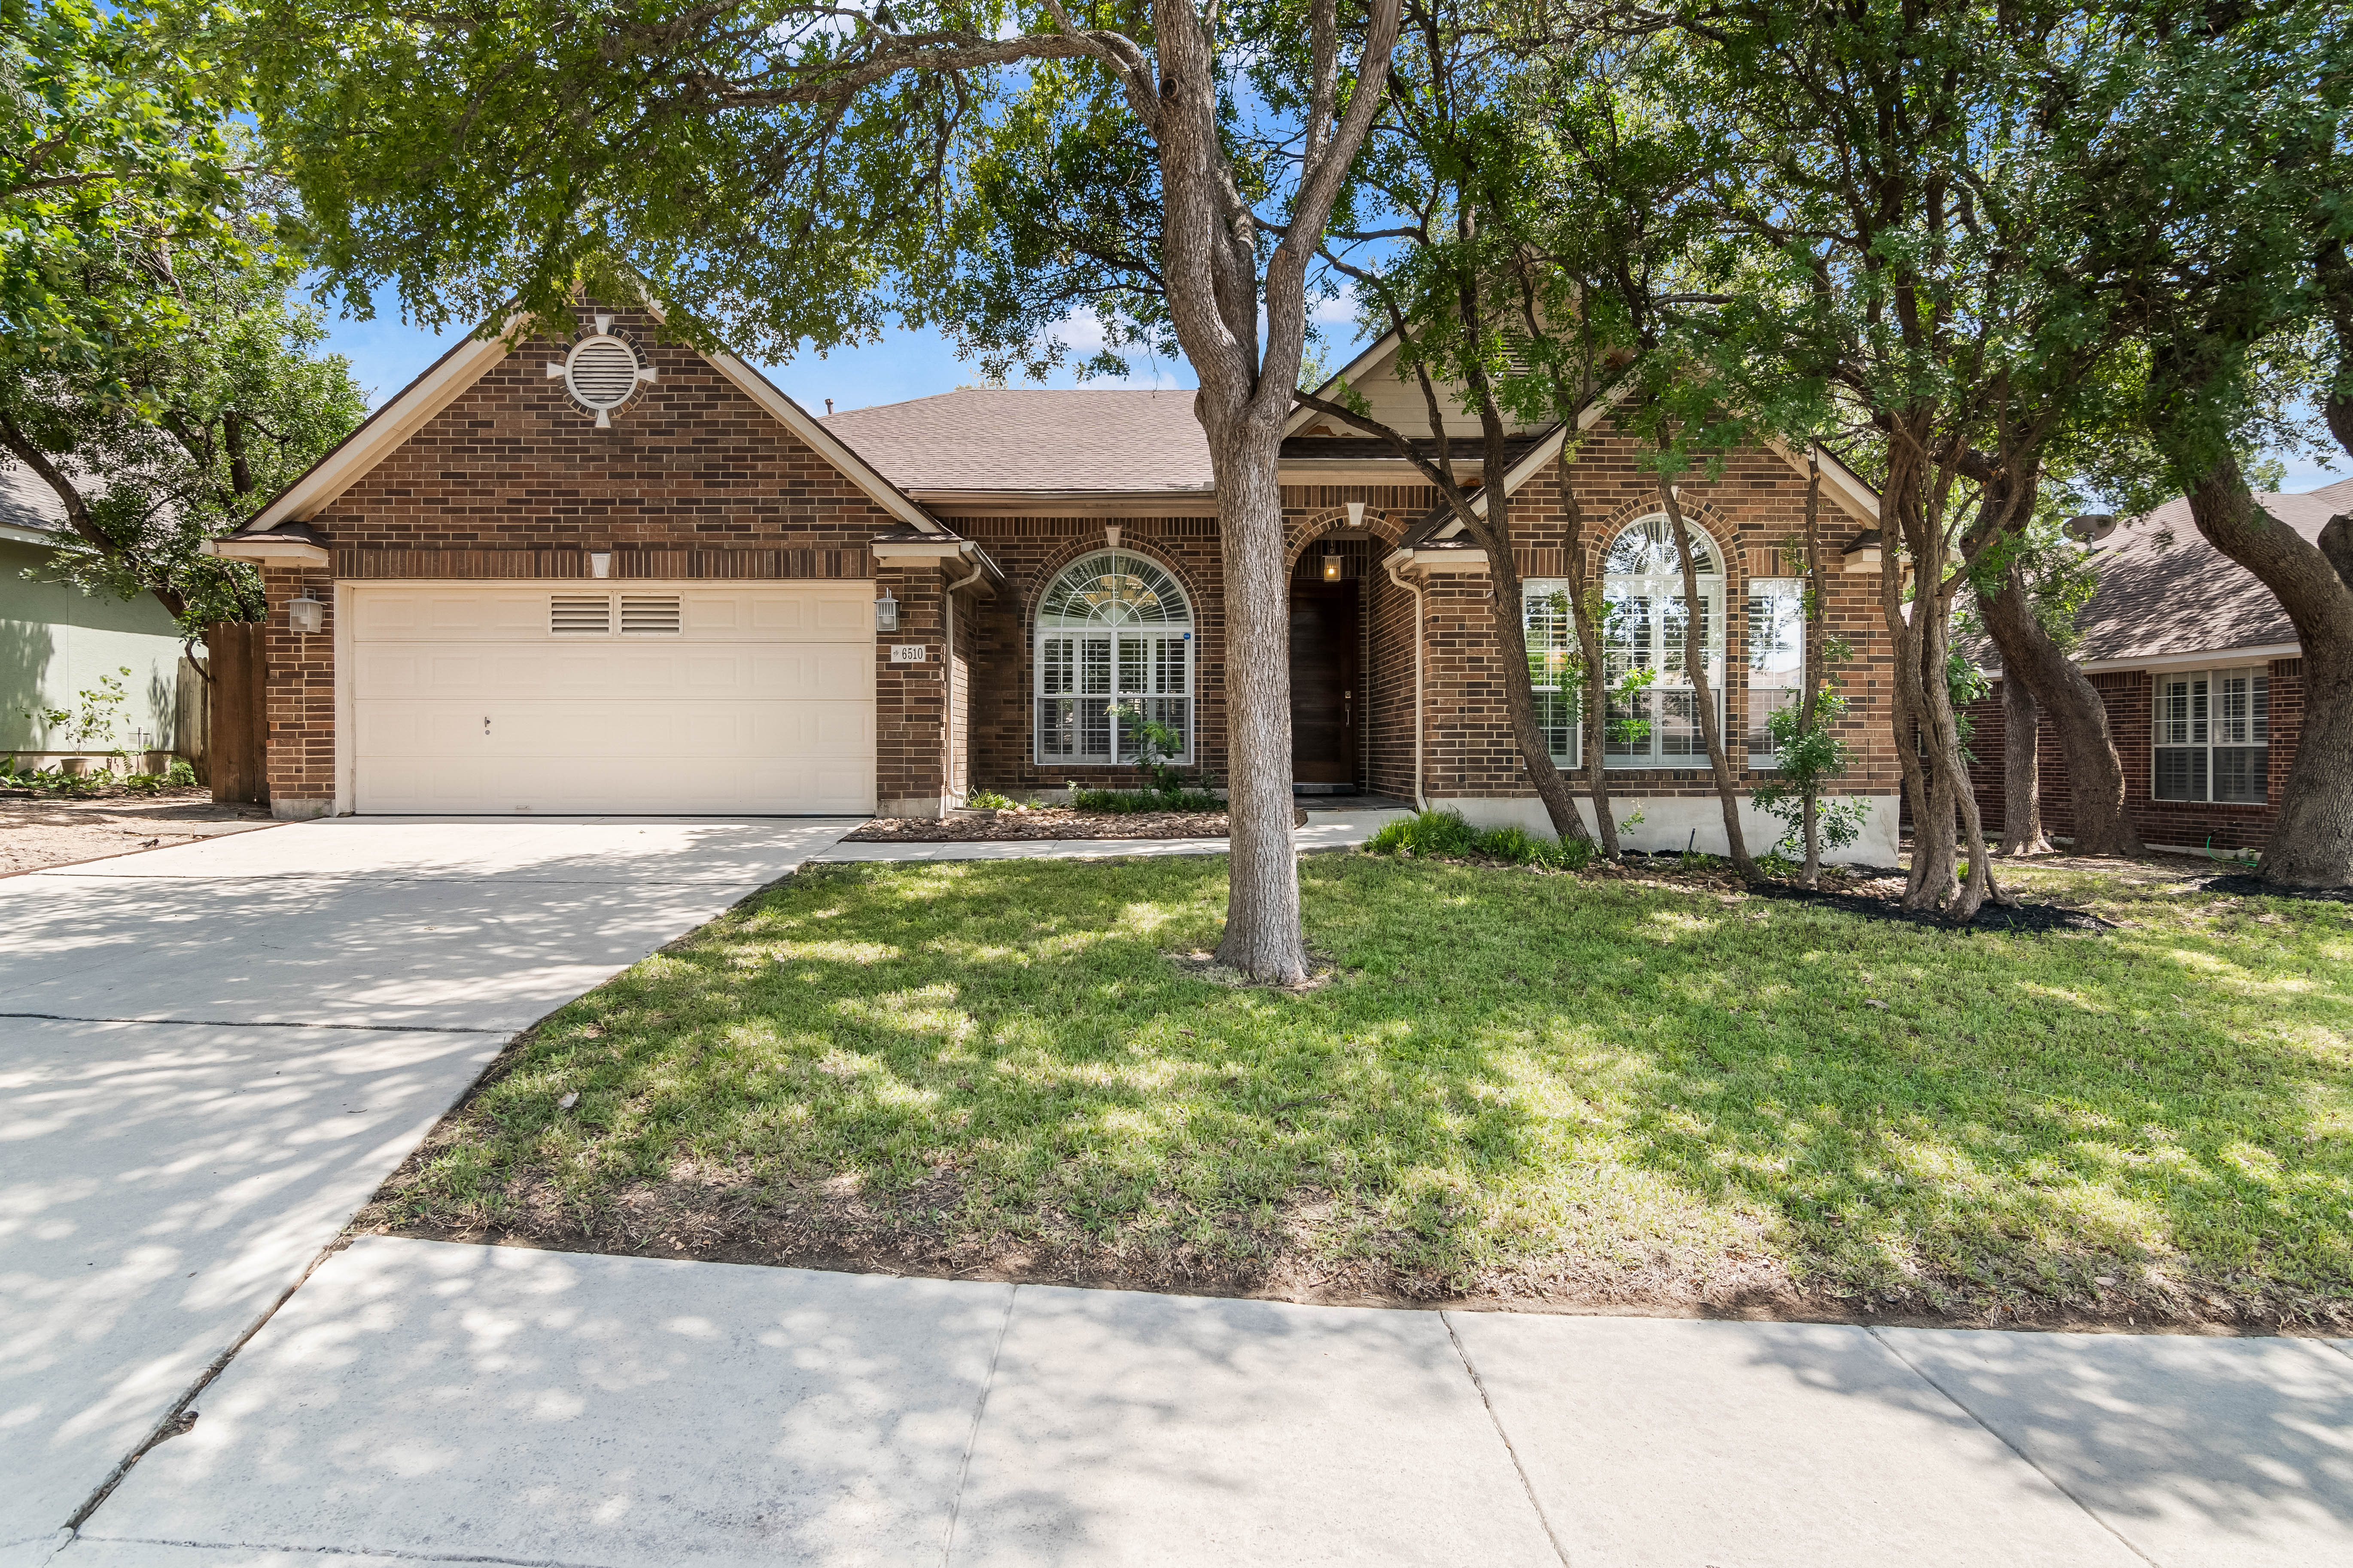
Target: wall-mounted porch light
306	614
886	612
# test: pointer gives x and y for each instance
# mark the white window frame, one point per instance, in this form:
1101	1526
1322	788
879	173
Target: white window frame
2195	714
1131	645
1639	602
1781	683
1553	654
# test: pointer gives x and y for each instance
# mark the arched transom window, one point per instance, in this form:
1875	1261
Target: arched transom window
1114	646
1653	719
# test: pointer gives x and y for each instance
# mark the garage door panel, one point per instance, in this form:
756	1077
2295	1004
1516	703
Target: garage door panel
846	615
761	703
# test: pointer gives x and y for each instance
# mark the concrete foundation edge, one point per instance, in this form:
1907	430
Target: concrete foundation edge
1672	822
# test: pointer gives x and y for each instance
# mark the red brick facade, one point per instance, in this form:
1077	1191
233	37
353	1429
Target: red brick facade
695	478
2130	696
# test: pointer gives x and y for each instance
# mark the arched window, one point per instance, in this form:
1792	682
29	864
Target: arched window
1653	717
1114	646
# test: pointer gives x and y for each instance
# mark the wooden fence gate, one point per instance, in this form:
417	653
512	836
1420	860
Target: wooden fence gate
239	720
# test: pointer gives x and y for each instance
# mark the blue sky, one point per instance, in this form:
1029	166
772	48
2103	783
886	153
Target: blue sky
386	354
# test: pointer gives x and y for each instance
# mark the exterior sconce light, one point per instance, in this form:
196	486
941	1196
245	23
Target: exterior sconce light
886	612
600	564
306	614
1332	568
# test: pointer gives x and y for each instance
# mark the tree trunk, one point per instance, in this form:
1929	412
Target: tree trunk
1262	936
1927	740
1209	247
2051	683
1593	708
2311	845
2021	793
1711	727
1817	619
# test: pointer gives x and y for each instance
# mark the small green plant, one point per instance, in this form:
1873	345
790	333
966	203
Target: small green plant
1158	746
1623	720
92	720
1122	800
988	800
1445	835
178	775
1805	759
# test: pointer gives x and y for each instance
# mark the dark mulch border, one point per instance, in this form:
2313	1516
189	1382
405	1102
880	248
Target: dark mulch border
2240	885
2033	920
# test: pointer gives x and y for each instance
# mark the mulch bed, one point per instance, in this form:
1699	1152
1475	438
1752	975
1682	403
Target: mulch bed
1041	822
1876	894
2033	919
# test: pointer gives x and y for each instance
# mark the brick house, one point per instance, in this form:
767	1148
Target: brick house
2201	674
614	575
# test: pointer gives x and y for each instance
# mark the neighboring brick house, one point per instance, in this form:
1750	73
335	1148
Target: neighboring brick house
2201	674
617	575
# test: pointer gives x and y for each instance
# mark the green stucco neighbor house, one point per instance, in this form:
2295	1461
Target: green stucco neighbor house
56	640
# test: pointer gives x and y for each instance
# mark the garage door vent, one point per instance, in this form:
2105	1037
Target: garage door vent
650	615
580	615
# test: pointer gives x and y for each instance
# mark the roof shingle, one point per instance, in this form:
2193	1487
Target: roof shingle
1031	439
2164	590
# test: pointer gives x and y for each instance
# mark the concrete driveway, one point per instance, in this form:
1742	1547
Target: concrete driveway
211	1055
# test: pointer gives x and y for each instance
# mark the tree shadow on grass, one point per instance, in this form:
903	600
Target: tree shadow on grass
1517	1083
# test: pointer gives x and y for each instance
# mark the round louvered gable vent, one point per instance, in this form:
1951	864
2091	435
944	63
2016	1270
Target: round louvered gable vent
602	372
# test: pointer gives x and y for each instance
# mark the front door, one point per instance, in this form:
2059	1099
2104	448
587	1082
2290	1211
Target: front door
1324	699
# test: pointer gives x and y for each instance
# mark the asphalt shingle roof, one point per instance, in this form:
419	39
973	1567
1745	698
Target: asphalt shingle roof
26	501
2164	590
1031	439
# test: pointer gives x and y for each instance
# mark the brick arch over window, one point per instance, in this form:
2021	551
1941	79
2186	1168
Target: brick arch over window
1297	536
1645	624
1704	515
1064	554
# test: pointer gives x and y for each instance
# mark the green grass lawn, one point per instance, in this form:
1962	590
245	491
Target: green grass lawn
1571	1086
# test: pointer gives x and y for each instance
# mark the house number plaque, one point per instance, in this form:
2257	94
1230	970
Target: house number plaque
907	653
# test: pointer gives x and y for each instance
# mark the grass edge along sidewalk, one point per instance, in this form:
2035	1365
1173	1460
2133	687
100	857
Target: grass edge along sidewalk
1610	1092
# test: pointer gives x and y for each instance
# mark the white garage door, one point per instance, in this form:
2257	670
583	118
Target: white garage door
660	698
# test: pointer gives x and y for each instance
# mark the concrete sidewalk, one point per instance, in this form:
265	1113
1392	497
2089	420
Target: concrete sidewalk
1324	830
443	1404
211	1055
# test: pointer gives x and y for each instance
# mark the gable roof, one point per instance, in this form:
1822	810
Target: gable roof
1028	441
448	377
2165	593
1847	489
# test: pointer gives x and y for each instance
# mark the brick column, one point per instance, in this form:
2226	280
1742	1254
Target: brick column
910	771
301	739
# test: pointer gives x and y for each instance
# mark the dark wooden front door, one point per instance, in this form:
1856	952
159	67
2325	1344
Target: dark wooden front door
1325	700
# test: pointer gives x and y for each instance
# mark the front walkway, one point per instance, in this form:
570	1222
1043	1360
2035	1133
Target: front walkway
1333	829
439	1402
211	1055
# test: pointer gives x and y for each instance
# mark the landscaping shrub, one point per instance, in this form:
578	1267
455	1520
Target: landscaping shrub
1445	835
1119	801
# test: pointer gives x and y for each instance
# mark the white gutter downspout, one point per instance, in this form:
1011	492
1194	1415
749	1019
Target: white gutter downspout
1419	804
947	668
